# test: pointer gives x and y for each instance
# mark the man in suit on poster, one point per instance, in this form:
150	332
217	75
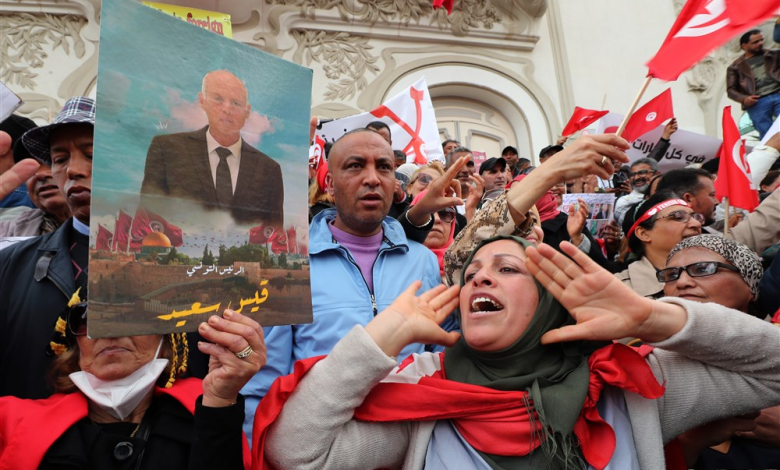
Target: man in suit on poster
213	165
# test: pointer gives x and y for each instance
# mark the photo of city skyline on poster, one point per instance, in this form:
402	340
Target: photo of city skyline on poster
199	179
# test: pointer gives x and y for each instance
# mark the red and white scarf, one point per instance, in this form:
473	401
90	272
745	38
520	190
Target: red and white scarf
492	421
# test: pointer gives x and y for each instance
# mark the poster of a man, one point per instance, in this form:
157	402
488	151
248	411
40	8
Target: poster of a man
199	144
213	165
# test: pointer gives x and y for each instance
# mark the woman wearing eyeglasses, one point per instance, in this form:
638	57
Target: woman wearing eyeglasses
442	234
710	268
423	177
652	230
119	404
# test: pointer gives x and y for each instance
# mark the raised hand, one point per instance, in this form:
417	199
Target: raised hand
411	319
584	157
604	307
576	222
234	334
17	175
475	195
442	193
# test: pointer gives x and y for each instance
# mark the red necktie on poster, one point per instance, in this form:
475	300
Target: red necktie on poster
580	119
702	26
734	179
649	116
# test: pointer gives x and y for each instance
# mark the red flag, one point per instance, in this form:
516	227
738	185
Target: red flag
122	231
580	119
104	238
448	4
292	242
279	242
318	161
146	222
649	116
702	26
261	234
734	179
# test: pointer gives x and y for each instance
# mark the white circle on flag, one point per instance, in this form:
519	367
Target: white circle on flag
651	117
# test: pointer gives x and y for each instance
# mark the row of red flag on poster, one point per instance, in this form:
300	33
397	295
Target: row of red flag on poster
129	233
278	241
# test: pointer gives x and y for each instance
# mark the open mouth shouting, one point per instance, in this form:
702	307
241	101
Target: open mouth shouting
483	304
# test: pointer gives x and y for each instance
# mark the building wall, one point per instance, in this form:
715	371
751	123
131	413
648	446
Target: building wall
503	71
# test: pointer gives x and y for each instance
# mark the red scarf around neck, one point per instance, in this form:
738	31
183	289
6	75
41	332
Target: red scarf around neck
492	421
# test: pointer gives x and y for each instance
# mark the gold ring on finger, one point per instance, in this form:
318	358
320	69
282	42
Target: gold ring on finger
244	353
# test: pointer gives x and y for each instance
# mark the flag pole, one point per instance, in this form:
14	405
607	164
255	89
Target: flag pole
633	105
130	230
726	207
603	101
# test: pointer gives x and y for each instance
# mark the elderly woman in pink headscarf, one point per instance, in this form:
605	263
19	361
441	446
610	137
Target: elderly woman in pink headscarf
442	234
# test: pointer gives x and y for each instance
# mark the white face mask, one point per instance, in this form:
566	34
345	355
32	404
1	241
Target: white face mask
120	397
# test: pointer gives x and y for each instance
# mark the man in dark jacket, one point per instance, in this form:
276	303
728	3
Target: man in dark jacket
754	80
39	276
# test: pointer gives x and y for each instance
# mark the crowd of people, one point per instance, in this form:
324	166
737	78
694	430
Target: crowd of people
462	318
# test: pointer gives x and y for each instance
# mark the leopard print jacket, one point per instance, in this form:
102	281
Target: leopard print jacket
492	220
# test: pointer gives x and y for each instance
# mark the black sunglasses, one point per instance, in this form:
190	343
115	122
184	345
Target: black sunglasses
447	215
77	319
701	269
424	179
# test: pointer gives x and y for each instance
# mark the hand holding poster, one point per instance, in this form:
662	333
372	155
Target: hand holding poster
411	119
601	208
190	156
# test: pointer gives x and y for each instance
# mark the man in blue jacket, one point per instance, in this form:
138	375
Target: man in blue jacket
360	260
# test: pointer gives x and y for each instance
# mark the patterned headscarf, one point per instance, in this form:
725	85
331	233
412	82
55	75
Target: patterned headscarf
742	257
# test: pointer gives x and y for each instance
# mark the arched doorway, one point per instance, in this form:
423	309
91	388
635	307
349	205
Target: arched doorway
474	124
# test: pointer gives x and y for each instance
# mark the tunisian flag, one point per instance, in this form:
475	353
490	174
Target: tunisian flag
292	240
279	242
104	238
448	4
702	26
649	116
261	234
318	162
122	231
146	222
580	119
734	179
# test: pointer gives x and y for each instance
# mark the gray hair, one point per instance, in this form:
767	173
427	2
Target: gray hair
646	161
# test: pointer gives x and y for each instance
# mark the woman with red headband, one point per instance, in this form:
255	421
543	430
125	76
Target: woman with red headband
652	230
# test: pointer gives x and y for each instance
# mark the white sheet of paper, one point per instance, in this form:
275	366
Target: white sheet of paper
9	102
8	241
